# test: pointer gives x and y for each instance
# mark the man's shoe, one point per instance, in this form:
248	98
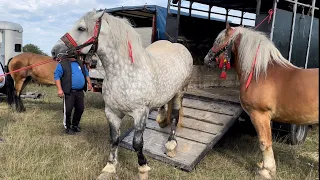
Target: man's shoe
76	128
70	131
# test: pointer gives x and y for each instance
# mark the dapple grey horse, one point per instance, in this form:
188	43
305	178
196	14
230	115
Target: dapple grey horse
137	80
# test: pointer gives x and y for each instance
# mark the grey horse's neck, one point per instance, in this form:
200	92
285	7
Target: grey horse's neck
115	60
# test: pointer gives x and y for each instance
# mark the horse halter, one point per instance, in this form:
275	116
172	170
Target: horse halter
217	52
74	48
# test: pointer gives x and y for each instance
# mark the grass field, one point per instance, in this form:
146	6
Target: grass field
34	147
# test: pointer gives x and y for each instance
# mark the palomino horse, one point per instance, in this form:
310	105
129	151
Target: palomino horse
278	91
17	81
136	81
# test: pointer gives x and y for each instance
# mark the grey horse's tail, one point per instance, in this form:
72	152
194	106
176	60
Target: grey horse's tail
10	90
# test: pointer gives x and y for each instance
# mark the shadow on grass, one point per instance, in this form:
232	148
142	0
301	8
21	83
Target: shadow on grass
95	100
42	105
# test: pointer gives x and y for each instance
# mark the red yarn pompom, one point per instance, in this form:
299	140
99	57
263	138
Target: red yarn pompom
223	75
228	66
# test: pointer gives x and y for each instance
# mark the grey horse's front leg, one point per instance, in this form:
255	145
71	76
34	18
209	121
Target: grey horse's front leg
140	118
114	126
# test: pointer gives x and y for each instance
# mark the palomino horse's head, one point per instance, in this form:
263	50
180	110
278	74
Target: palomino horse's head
82	39
221	44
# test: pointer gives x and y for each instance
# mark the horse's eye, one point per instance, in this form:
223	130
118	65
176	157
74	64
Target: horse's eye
81	29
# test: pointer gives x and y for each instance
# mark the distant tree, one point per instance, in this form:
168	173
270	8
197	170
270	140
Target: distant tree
33	49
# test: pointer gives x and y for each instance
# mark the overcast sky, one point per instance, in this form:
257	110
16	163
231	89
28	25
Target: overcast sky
45	21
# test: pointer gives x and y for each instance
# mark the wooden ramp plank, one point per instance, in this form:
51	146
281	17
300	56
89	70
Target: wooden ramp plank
206	116
154	141
203	125
186	133
195	124
221	108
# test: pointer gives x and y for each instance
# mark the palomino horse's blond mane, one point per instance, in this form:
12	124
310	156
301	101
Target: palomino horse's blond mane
247	50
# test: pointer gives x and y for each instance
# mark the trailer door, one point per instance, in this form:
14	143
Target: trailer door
2	50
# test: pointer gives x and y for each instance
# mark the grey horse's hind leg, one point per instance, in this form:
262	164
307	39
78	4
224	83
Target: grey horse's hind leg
114	125
140	118
163	115
175	117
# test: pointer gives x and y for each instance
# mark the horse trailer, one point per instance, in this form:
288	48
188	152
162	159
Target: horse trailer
293	27
10	41
211	105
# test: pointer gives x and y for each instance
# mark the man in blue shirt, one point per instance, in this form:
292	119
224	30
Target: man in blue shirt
71	78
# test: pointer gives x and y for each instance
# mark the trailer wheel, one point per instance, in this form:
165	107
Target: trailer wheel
298	134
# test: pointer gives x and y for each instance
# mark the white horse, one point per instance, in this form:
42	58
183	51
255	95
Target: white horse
135	82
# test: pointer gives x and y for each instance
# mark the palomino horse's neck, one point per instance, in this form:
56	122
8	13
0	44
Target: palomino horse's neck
274	70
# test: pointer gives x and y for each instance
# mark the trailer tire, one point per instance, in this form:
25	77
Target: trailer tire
298	134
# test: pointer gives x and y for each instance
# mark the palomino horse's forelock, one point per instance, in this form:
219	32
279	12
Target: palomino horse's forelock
247	50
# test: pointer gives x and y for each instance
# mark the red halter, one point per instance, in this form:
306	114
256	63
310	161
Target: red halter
74	48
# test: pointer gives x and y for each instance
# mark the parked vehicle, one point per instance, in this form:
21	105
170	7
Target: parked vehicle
10	41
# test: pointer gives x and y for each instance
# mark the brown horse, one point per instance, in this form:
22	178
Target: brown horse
278	91
40	71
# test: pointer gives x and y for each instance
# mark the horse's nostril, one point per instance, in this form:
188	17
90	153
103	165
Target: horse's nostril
53	53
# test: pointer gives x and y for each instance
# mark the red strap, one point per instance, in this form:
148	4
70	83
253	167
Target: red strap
253	64
130	51
96	28
71	40
28	67
270	12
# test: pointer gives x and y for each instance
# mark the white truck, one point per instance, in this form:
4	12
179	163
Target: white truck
10	41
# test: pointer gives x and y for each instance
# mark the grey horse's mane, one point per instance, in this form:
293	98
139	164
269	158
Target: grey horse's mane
250	40
121	33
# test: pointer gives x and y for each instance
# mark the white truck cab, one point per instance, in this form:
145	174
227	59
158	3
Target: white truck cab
10	41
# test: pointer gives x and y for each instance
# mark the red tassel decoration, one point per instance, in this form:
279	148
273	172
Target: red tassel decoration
228	65
221	63
223	75
130	52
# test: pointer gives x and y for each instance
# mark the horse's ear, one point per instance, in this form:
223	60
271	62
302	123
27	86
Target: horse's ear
228	25
98	15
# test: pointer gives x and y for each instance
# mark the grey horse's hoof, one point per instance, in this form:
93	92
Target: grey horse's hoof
163	124
107	176
144	172
171	147
162	121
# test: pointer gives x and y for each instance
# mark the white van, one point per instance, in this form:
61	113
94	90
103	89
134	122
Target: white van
10	41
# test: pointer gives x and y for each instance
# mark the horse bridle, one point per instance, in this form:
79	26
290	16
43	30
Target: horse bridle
217	52
74	49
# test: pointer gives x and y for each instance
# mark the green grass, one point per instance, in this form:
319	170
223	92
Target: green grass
36	148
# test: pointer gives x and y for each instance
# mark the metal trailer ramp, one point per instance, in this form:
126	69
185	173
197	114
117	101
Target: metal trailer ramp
205	121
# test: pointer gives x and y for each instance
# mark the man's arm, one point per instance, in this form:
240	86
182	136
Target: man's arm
57	76
88	78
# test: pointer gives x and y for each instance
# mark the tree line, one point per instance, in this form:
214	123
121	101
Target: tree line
33	49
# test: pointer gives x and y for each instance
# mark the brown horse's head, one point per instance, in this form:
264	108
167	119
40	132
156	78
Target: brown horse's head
221	44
